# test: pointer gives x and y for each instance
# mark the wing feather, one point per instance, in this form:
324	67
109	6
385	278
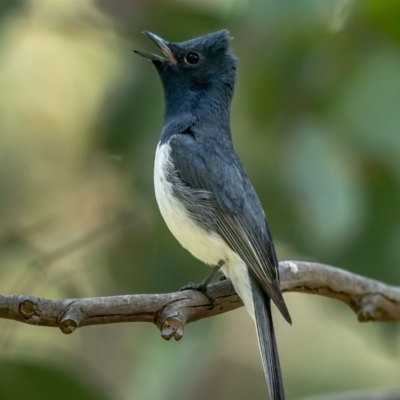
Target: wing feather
238	215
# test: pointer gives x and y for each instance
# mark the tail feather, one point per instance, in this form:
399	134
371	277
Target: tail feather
267	341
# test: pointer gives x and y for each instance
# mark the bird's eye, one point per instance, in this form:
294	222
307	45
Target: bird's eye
192	58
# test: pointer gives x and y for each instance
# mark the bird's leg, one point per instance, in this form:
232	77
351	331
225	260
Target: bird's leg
202	287
215	269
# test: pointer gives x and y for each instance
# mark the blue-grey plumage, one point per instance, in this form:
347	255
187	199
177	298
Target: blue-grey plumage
202	189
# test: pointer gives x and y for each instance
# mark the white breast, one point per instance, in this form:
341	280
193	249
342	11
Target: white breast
206	246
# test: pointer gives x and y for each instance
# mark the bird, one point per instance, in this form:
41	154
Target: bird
201	186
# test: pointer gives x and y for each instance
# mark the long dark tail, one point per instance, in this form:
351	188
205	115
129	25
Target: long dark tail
267	342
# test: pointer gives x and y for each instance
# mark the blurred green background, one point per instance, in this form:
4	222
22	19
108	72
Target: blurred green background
316	120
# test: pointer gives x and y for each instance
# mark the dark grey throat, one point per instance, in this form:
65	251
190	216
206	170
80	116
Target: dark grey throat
211	104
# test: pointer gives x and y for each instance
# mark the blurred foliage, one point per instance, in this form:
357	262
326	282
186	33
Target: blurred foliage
316	121
42	382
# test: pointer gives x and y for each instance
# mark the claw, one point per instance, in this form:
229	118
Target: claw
200	287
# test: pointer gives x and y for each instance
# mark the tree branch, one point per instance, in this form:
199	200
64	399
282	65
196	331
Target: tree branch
369	299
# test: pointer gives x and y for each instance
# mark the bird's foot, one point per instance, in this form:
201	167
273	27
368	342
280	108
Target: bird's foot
202	288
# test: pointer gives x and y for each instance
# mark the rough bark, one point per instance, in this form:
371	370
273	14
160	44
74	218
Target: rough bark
369	299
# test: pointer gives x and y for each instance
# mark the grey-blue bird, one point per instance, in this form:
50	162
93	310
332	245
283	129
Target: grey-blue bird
202	189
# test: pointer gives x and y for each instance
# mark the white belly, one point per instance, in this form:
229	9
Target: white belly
207	246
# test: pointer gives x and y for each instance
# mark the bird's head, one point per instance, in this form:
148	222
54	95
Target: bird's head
195	65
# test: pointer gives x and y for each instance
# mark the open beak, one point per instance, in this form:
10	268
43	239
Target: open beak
162	44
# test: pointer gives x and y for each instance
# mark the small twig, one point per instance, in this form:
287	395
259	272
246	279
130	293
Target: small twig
369	299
